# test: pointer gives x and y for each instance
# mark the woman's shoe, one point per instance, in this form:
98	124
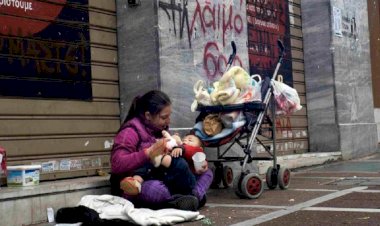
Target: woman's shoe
130	186
184	202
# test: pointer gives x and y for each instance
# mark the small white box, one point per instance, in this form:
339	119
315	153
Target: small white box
25	175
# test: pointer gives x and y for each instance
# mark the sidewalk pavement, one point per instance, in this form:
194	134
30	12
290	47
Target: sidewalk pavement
339	193
335	193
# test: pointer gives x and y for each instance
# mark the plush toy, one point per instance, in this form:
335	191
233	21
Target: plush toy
202	95
173	140
224	93
239	75
230	85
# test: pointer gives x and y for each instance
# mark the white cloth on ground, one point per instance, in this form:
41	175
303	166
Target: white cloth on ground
113	207
68	224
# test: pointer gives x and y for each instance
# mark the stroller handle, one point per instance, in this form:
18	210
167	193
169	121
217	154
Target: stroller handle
233	54
282	50
280	57
280	46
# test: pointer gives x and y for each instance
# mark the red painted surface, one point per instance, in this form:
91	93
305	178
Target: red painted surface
3	165
27	17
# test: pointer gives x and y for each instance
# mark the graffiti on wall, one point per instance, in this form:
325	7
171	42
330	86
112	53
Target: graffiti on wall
195	41
179	11
210	22
45	49
267	22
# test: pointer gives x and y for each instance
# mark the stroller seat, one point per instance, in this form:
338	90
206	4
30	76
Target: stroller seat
227	134
224	137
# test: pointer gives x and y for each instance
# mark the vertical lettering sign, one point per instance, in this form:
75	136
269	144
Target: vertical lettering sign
44	49
268	21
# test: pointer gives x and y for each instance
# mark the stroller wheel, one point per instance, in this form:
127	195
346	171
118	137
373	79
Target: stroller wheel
283	178
271	177
236	186
228	176
252	186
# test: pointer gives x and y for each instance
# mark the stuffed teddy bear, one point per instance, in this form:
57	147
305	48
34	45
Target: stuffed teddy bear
224	93
239	75
230	85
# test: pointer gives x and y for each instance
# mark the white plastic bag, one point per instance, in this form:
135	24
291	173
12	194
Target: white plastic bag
286	98
256	84
202	96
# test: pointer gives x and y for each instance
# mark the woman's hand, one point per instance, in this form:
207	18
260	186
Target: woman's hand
156	151
157	148
176	152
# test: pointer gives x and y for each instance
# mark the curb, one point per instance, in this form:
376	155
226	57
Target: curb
301	160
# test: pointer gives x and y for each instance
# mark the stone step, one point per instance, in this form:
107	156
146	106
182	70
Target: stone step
28	205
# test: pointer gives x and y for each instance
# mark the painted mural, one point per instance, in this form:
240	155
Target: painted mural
45	50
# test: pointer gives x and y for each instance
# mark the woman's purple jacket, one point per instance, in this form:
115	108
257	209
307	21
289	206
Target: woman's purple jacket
129	144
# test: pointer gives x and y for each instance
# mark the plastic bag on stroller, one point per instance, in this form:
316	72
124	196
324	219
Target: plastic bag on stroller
286	98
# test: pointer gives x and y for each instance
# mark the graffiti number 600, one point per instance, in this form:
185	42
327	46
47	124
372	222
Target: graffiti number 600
214	62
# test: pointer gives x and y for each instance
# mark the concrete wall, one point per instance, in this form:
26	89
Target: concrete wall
138	50
338	77
195	43
170	51
164	45
323	129
377	120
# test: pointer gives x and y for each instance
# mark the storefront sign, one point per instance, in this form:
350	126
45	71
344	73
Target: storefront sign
44	48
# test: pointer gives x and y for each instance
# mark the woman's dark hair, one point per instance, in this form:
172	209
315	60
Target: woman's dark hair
153	102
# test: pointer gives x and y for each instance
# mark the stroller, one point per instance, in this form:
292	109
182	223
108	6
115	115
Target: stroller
258	129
